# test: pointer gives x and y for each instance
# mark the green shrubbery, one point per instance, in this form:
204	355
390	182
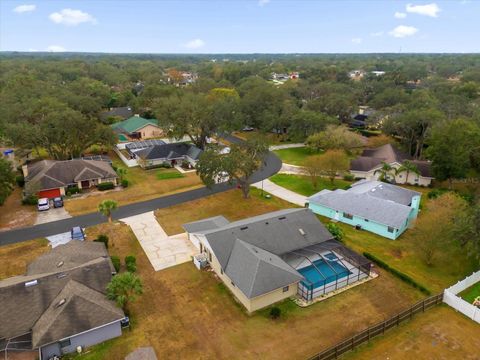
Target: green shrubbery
30	200
131	263
335	231
397	273
20	180
275	312
125	183
105	186
348	177
115	262
102	238
73	190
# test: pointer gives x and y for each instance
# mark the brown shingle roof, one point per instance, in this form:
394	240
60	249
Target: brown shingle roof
50	174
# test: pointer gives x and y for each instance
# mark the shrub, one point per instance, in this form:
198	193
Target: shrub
115	262
125	183
105	186
131	263
435	193
335	231
348	177
397	273
20	180
102	238
73	190
30	200
114	167
275	312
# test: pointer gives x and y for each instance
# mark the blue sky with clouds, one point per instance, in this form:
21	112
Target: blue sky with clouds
265	26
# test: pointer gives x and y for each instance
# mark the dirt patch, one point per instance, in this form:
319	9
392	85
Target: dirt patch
397	253
14	258
15	215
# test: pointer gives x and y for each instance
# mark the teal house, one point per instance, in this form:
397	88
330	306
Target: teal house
381	208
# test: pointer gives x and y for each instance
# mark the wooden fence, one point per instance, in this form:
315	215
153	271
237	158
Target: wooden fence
378	329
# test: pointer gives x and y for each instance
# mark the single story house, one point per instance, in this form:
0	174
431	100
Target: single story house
381	208
60	303
366	166
271	257
51	178
122	113
136	128
171	154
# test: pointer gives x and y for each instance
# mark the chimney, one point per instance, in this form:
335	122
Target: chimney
25	170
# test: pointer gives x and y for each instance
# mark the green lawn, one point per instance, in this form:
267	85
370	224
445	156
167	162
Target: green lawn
296	156
164	174
471	293
303	185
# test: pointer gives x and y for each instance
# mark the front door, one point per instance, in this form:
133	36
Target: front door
85	184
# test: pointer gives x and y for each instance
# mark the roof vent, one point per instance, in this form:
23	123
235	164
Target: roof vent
282	218
61	302
31	283
302	232
373	190
60	264
244	228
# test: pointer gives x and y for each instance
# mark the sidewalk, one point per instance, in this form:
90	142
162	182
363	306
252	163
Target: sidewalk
281	192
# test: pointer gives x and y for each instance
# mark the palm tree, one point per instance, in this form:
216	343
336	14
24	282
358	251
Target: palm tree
124	288
121	172
106	207
385	172
408	167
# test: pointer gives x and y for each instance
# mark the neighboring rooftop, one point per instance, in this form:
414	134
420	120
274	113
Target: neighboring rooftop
51	174
205	224
133	124
373	200
124	112
169	151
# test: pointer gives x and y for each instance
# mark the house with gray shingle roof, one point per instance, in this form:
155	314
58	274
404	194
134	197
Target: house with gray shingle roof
384	209
171	154
271	257
366	166
60	302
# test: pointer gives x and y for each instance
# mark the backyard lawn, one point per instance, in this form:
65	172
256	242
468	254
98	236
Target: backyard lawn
143	185
15	257
296	156
270	138
440	333
470	294
186	313
303	185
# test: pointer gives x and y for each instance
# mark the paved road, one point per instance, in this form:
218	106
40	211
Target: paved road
272	166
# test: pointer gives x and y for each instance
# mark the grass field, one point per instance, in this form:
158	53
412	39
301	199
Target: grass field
270	138
296	156
188	314
143	185
303	185
14	258
470	294
440	333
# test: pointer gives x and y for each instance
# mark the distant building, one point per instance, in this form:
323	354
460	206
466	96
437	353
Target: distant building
121	113
166	154
356	74
377	73
137	128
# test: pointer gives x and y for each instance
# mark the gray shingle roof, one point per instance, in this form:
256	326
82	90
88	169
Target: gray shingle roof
51	174
205	224
22	306
169	151
123	112
249	250
380	202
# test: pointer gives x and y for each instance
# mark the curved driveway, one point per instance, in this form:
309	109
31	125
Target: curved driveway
271	167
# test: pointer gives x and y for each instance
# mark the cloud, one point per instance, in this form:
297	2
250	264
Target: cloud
24	8
56	48
400	15
195	44
427	10
402	31
357	40
377	34
71	17
263	2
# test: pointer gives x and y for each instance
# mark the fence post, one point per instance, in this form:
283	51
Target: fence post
384	325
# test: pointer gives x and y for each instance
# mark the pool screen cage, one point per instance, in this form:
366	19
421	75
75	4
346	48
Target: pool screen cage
17	344
353	267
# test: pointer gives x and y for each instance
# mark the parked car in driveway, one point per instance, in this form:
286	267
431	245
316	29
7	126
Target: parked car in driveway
57	202
43	204
77	233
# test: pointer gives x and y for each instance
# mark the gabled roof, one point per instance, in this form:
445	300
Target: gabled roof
169	151
205	224
250	250
51	174
77	308
256	271
133	124
24	299
372	200
124	112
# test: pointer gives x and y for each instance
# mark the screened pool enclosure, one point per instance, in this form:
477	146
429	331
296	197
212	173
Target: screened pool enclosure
327	267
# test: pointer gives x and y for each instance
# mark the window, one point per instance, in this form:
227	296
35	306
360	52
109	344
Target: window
390	229
65	343
347	216
285	289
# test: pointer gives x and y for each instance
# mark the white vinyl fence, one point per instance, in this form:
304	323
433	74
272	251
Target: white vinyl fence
128	162
450	297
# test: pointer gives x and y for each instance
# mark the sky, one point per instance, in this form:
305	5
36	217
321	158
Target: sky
235	26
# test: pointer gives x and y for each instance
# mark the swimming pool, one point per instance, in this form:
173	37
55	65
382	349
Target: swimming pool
313	279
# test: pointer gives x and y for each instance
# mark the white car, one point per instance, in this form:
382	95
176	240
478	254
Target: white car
43	204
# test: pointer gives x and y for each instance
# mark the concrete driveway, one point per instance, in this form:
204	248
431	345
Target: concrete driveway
53	214
162	250
281	192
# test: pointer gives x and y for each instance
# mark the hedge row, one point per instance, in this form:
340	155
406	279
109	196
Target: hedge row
105	186
397	273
